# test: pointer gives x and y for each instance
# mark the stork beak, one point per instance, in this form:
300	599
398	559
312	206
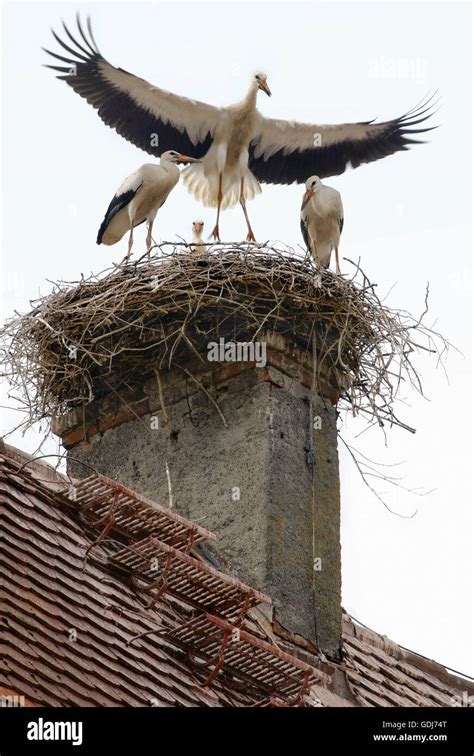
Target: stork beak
264	87
187	159
306	197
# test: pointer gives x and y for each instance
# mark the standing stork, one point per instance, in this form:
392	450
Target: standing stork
322	219
239	147
139	198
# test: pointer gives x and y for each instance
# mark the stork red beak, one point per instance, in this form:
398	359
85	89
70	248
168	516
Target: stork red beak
187	159
307	196
262	84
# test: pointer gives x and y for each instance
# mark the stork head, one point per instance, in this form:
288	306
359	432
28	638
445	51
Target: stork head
260	82
171	156
198	227
313	185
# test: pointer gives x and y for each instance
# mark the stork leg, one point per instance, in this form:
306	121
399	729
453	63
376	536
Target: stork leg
149	241
338	270
130	243
250	236
314	249
129	251
215	232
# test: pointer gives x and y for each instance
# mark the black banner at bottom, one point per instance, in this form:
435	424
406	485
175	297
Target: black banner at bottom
85	731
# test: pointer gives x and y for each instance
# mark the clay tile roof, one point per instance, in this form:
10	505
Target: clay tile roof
107	602
99	610
381	673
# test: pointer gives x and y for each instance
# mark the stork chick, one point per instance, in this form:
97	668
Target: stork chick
198	227
322	219
139	198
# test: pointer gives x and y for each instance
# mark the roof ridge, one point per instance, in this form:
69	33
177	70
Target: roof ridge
354	628
35	464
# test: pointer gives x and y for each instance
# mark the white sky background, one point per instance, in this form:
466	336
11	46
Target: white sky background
407	217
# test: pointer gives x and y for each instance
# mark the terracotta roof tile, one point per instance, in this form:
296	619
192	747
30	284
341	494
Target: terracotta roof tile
52	587
128	654
380	671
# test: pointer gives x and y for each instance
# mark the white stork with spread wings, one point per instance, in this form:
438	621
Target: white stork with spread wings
238	146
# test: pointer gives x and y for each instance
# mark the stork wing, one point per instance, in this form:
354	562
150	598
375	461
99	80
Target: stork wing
340	213
122	197
305	234
151	118
285	151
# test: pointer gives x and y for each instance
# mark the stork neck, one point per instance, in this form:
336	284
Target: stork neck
250	100
171	168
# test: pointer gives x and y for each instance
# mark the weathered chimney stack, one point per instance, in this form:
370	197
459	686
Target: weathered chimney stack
128	365
249	452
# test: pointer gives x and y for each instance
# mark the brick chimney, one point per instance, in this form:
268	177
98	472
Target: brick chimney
247	451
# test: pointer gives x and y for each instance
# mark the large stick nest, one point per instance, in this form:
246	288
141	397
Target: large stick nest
100	334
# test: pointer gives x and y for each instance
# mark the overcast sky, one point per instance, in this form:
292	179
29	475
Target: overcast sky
408	217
